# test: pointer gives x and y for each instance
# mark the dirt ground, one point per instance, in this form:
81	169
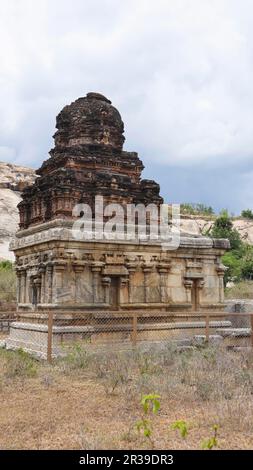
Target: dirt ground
74	404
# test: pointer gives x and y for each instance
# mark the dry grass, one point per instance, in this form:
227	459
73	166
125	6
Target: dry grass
93	402
241	290
7	284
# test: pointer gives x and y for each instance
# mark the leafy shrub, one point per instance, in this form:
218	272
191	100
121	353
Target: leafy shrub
7	282
77	357
212	441
233	263
182	427
150	406
247	214
196	209
223	228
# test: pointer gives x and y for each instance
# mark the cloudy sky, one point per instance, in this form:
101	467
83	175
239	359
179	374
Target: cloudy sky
179	71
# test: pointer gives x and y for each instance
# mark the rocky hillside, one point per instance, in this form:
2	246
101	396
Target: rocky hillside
197	225
14	178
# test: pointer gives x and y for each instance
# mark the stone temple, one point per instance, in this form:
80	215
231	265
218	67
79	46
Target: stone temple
97	281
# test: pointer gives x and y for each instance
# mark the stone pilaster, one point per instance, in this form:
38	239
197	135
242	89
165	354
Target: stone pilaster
49	283
163	270
78	269
18	286
200	286
123	282
131	270
147	268
42	271
96	269
188	287
23	287
57	287
106	282
220	271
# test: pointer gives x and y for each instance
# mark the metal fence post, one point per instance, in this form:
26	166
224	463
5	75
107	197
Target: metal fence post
207	327
251	333
134	330
49	336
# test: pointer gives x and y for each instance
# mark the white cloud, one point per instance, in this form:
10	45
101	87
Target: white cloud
180	73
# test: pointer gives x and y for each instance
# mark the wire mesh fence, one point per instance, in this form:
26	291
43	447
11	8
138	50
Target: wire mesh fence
7	315
55	333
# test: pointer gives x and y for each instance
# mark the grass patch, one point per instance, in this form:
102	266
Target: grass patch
106	399
18	364
241	290
7	282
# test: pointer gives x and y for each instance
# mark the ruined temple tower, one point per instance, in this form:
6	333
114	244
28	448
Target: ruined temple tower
99	279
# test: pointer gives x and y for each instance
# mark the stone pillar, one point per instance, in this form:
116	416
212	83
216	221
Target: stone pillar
57	286
37	284
200	286
96	269
220	271
147	268
18	287
122	284
188	287
78	268
163	270
43	286
106	281
49	283
131	270
23	287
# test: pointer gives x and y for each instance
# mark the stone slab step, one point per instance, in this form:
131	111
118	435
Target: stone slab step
234	332
199	340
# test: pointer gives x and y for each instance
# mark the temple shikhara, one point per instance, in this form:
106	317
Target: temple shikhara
94	281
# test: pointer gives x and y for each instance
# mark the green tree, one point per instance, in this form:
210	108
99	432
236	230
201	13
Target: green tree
223	228
247	214
233	264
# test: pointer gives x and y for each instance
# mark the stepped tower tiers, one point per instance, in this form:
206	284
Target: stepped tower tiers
87	160
96	282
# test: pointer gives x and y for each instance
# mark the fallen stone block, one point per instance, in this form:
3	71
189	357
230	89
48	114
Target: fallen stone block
199	340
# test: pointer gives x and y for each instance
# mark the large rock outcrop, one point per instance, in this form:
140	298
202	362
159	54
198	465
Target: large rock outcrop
13	180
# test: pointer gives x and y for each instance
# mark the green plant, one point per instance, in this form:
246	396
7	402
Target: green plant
223	228
182	427
7	282
233	264
212	441
150	406
196	209
77	357
20	364
147	363
152	402
5	265
247	214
